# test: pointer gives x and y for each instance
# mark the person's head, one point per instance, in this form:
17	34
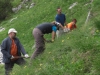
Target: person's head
74	20
12	33
59	10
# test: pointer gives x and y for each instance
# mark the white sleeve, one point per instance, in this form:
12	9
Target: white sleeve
57	23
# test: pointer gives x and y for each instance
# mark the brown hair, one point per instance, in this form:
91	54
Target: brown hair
58	8
74	20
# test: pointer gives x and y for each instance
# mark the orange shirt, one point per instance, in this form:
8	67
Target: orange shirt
13	48
71	26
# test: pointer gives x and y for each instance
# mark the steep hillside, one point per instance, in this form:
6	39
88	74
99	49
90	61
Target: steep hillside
75	53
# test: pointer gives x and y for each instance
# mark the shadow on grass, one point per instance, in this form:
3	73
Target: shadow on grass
97	24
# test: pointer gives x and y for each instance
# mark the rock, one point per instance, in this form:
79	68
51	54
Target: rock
2	29
74	4
22	4
13	19
1	56
32	4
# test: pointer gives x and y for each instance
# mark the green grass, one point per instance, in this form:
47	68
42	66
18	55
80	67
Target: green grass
15	3
75	53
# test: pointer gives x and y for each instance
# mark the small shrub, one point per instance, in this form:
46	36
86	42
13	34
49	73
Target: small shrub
5	9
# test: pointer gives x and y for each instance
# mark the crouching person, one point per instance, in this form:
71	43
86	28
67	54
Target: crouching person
11	49
38	33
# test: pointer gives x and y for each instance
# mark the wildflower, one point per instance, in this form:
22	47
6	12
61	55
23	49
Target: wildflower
97	30
13	73
49	52
25	66
62	40
39	68
41	64
90	28
72	62
68	38
53	59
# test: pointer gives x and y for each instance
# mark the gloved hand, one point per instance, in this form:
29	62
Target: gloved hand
12	57
26	56
66	29
57	23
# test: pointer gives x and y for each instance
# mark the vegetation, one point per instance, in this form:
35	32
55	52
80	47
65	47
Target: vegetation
5	9
75	53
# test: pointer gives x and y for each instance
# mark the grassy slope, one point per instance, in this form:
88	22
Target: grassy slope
76	53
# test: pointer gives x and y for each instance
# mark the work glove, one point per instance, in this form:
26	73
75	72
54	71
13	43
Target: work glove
26	56
57	23
12	57
66	29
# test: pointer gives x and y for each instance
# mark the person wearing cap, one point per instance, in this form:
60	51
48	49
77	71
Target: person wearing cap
38	33
12	49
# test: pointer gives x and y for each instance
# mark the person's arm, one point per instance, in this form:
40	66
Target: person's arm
75	26
65	23
4	49
21	47
59	24
23	50
53	36
57	19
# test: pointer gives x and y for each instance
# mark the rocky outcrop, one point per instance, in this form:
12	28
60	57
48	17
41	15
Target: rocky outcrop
1	56
74	4
89	13
25	4
2	29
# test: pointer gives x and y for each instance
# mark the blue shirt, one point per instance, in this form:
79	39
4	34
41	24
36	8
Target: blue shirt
60	18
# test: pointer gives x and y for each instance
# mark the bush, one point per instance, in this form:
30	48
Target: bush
5	8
